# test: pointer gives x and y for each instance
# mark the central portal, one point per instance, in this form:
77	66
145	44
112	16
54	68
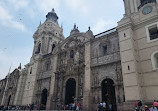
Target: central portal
70	91
43	99
108	93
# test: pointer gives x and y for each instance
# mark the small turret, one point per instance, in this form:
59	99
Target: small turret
89	32
74	30
19	66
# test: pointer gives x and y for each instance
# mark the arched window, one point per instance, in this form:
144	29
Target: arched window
72	54
154	60
47	65
53	46
105	50
147	1
28	85
31	70
144	2
39	48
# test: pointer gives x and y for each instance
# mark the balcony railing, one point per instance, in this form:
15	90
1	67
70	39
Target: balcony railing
105	59
146	2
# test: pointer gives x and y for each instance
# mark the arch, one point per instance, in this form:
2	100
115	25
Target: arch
146	1
71	54
53	46
154	60
48	65
43	99
106	77
67	78
108	93
70	92
105	50
9	98
38	48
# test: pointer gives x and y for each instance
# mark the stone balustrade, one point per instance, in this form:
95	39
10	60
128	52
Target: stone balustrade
105	59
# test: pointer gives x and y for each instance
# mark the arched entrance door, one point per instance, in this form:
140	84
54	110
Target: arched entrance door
43	99
9	100
70	91
108	93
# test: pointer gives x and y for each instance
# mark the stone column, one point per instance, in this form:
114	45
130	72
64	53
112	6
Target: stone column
87	78
52	85
127	7
4	98
135	4
18	94
132	7
116	92
42	51
34	48
64	89
100	94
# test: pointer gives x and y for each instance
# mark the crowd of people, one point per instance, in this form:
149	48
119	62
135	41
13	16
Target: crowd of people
139	107
76	106
13	107
72	106
102	107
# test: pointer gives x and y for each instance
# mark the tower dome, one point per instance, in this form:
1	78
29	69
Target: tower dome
52	16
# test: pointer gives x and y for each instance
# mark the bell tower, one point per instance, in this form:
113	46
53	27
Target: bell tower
46	39
138	38
133	6
47	35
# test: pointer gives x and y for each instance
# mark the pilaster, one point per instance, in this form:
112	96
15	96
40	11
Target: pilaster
87	78
49	100
129	60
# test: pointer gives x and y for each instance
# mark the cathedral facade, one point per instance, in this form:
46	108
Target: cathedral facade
118	66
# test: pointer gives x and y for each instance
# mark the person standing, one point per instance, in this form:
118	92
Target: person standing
153	108
31	106
77	106
146	108
4	108
139	105
99	107
155	104
110	107
104	106
135	105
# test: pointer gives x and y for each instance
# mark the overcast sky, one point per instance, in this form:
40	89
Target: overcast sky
19	19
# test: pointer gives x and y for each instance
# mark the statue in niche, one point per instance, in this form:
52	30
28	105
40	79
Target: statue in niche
95	81
58	91
120	73
81	90
58	88
70	68
81	80
116	75
96	99
76	58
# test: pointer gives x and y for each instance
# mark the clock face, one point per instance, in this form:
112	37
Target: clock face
147	10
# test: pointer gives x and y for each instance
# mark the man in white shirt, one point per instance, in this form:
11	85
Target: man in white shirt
153	108
104	106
